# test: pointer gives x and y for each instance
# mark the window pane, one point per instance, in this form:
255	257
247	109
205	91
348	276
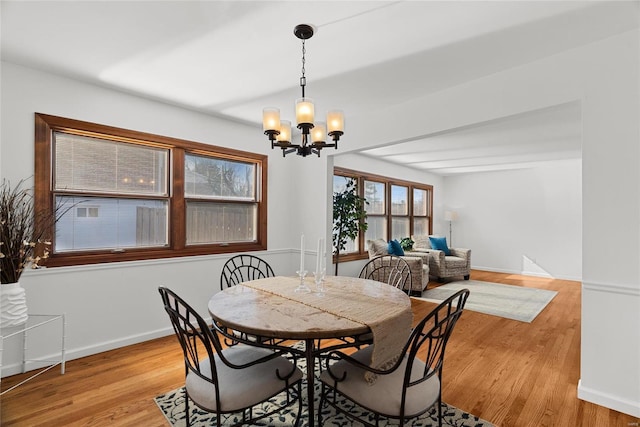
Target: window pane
350	247
221	222
92	164
421	226
110	224
399	228
375	195
399	200
420	202
340	183
218	178
377	228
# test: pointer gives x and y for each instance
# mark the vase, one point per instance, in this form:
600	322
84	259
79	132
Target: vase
13	305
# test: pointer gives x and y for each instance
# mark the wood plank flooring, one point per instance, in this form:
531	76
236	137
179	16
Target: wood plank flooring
511	373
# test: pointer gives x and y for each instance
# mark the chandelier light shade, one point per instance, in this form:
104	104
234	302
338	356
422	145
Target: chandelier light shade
314	134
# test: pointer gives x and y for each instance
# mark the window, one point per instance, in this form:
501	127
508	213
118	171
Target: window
339	185
140	196
87	212
395	209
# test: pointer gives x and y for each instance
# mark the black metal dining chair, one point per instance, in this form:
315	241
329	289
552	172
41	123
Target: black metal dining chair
236	379
242	268
390	269
411	387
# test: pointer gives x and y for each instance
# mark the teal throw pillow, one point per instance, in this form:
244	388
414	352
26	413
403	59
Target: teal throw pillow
395	248
440	244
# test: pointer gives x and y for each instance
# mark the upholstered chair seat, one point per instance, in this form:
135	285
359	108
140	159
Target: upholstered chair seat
384	395
242	387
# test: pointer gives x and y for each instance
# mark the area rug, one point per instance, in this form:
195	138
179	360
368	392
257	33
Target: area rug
511	302
172	406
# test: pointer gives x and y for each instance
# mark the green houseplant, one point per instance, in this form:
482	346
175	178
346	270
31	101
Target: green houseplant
349	218
406	243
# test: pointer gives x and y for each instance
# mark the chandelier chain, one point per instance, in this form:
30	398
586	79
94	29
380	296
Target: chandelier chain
303	59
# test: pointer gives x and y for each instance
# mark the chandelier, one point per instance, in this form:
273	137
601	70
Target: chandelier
314	135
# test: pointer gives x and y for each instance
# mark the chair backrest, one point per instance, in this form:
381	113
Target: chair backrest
194	335
390	269
430	338
242	268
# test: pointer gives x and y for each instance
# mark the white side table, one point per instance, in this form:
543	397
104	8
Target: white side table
34	321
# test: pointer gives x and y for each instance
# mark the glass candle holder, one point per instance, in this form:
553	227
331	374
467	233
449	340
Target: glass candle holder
302	287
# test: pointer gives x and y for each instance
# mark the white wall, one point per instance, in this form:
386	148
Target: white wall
525	221
603	77
112	305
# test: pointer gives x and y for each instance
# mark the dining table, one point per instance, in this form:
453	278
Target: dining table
278	311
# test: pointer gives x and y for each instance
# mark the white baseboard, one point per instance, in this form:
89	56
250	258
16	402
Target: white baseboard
524	273
77	353
608	401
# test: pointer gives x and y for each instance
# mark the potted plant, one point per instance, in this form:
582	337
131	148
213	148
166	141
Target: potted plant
406	243
22	245
349	218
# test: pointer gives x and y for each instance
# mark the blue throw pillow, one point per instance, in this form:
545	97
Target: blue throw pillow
440	244
395	248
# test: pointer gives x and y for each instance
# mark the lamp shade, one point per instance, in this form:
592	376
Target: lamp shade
285	132
450	215
319	133
335	121
304	111
270	119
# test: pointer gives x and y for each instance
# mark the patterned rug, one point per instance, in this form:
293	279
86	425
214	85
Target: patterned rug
511	302
172	406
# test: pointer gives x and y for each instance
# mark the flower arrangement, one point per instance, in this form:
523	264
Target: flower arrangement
22	240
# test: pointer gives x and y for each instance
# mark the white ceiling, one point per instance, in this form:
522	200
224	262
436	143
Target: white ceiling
232	58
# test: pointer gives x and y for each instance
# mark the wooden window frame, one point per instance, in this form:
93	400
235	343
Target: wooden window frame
360	177
44	196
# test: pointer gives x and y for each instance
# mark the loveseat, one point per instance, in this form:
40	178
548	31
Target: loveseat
441	266
418	264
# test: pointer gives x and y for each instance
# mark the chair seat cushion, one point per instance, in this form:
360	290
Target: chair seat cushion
455	262
384	395
240	388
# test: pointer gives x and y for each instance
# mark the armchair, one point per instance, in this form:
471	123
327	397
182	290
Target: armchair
441	266
418	264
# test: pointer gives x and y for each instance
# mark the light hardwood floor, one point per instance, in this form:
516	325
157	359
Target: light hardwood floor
508	372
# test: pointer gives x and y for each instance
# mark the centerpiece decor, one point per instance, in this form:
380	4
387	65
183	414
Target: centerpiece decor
407	243
22	245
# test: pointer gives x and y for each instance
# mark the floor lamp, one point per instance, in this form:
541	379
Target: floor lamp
450	216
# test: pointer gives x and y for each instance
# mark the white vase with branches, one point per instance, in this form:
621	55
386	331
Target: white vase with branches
22	245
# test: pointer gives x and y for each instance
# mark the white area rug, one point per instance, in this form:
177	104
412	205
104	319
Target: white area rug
511	302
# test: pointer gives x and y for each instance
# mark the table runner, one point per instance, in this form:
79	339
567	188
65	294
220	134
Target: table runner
389	320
